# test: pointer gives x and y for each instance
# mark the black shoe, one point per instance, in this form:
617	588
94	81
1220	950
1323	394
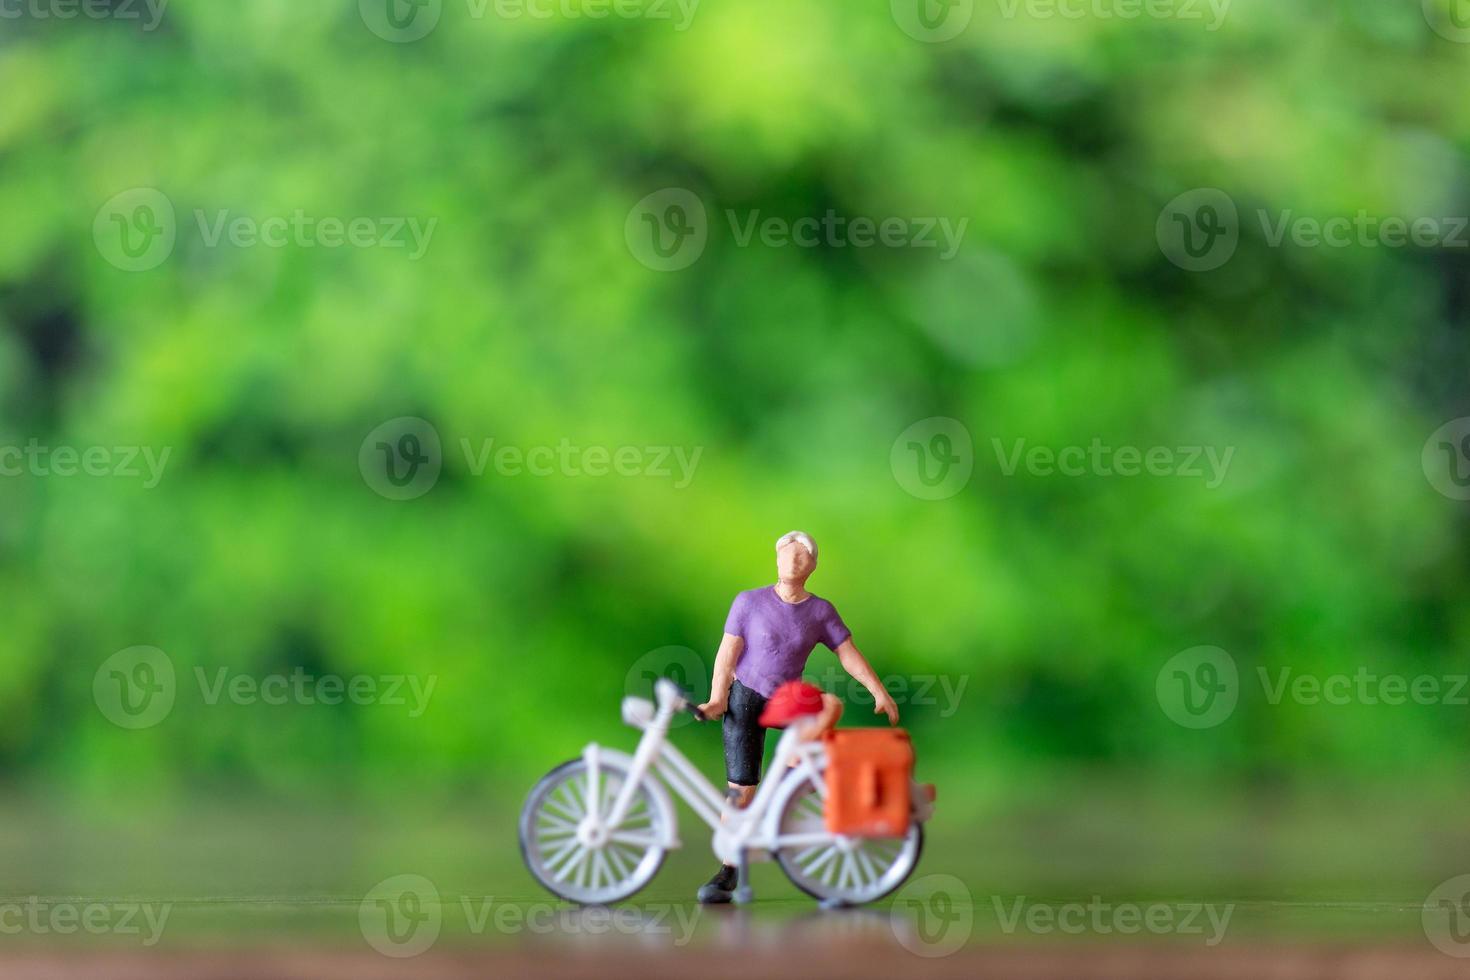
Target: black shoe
719	889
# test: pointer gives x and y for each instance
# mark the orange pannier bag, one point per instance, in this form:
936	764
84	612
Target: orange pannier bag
869	771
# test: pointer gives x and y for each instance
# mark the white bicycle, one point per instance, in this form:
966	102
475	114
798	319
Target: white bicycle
596	829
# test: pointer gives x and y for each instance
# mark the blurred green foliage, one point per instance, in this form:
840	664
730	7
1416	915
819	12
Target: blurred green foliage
1054	600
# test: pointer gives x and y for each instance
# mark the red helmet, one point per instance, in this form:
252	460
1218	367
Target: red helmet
791	701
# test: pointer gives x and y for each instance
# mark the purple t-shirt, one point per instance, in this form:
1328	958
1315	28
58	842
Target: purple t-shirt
779	636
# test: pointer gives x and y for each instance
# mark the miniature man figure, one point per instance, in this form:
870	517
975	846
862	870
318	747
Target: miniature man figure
769	635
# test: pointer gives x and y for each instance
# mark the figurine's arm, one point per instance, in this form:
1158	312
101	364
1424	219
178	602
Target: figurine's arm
857	665
719	687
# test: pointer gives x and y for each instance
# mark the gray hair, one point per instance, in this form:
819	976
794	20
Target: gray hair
801	538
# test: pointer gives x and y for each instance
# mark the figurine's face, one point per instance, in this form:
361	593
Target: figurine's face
794	562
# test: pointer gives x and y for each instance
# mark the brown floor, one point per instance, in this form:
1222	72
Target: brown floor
1070	962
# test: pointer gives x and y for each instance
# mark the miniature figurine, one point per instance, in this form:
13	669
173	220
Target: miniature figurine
845	820
769	634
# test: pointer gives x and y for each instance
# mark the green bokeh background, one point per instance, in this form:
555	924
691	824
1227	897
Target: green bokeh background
1049	602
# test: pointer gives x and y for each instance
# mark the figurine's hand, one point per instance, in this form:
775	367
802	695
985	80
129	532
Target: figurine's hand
885	706
712	709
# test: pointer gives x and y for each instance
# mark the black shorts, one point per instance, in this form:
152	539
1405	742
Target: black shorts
745	739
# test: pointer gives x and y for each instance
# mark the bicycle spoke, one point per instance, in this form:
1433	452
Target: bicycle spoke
866	868
806	853
552	804
823	861
578	798
555	851
548	822
831	871
617	861
560	853
849	871
578	861
887	851
627	860
583	868
600	870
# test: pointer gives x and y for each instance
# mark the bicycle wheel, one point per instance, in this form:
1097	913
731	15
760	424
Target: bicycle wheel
571	859
848	870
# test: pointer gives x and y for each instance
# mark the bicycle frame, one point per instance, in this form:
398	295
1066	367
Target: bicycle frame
752	829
